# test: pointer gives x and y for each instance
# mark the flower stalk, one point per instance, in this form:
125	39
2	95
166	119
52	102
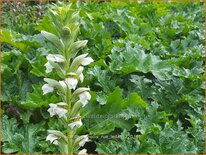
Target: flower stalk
69	67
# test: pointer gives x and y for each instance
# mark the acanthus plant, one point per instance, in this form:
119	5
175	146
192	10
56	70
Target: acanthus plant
69	68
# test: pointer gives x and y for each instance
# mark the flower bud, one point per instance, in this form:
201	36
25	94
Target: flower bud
77	61
55	58
76	107
54	39
66	30
76	46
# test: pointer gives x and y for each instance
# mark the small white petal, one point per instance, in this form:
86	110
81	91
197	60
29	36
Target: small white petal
80	74
51	138
87	61
49	67
79	70
84	97
84	102
84	151
56	142
63	85
47	89
76	124
71	83
81	77
55	58
52	109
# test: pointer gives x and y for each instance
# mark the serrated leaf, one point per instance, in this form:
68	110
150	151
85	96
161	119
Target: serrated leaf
134	59
103	76
36	99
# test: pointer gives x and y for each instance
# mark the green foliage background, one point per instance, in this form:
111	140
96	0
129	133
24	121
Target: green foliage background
147	80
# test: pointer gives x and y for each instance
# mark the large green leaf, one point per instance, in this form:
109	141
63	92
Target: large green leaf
19	41
103	76
20	139
106	117
132	58
36	99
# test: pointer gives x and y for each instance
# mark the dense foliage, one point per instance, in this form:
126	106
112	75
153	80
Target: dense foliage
147	80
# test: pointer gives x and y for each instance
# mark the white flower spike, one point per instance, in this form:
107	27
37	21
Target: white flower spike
76	124
47	89
68	69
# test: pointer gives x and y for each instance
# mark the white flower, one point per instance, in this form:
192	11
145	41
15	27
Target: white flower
49	67
80	74
55	58
71	82
87	61
84	97
63	85
55	110
76	124
84	151
47	89
52	109
61	112
52	138
84	139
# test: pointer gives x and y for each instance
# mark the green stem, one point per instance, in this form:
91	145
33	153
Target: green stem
68	101
70	145
70	134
